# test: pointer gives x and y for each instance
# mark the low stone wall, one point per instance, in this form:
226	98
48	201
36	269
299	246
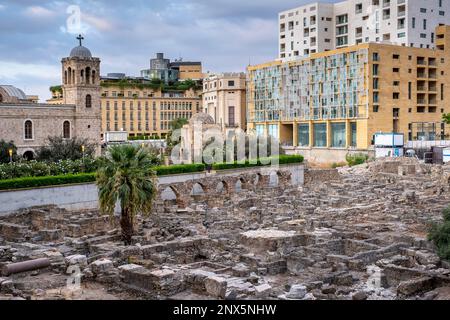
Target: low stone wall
326	155
84	196
315	176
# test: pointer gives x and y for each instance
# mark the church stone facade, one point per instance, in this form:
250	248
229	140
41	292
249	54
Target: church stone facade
29	125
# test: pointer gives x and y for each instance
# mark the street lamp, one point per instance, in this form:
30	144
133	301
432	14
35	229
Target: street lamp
10	152
82	150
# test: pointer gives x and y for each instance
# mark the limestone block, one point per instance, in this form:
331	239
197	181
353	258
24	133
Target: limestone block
216	287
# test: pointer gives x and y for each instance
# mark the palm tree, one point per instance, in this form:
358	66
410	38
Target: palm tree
125	175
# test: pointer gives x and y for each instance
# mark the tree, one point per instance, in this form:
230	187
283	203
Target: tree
175	124
125	175
446	118
4	151
440	235
58	148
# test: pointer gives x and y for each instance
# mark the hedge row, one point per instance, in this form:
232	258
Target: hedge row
34	182
178	169
282	159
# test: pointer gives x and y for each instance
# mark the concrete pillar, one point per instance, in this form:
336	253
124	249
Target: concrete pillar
329	137
311	134
295	134
348	134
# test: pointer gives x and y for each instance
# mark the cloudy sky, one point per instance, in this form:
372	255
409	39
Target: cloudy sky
224	34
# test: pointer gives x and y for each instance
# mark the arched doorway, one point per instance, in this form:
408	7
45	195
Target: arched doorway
28	155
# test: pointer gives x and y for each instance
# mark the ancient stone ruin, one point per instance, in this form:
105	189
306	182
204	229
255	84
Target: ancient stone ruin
353	233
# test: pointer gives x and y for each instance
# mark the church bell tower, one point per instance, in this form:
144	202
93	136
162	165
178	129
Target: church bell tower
81	88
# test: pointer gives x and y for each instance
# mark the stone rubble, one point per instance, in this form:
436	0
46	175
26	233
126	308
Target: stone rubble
349	234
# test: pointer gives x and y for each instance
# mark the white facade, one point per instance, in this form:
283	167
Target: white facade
318	27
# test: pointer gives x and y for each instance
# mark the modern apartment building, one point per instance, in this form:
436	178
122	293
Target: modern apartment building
224	99
319	27
333	102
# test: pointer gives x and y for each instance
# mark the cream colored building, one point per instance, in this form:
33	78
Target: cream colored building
224	99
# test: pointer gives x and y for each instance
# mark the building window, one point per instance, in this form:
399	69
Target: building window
88	101
231	83
66	130
273	130
338	134
354	132
1	98
303	135
320	135
231	117
28	130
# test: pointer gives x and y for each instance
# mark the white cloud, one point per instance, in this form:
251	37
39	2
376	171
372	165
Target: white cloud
40	12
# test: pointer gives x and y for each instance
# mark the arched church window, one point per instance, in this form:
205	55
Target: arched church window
69	72
93	77
88	75
1	98
28	130
88	101
66	130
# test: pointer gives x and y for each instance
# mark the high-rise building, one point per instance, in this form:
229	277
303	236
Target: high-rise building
334	102
166	71
224	99
319	27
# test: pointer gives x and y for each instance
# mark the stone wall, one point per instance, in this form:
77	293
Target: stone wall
84	196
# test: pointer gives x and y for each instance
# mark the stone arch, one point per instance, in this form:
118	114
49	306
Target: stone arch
28	155
223	187
67	131
169	194
198	189
274	179
88	101
238	185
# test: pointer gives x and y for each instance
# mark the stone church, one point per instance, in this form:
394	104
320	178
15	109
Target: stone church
29	124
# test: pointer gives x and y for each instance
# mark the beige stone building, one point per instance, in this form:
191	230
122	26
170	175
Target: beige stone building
29	124
140	109
224	99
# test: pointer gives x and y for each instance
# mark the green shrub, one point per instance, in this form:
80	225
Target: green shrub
282	159
356	159
336	165
34	182
23	169
440	235
179	169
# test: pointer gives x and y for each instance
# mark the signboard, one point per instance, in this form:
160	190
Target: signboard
446	155
116	136
393	140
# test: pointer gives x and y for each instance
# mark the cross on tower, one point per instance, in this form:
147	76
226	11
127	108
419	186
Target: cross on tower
80	37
